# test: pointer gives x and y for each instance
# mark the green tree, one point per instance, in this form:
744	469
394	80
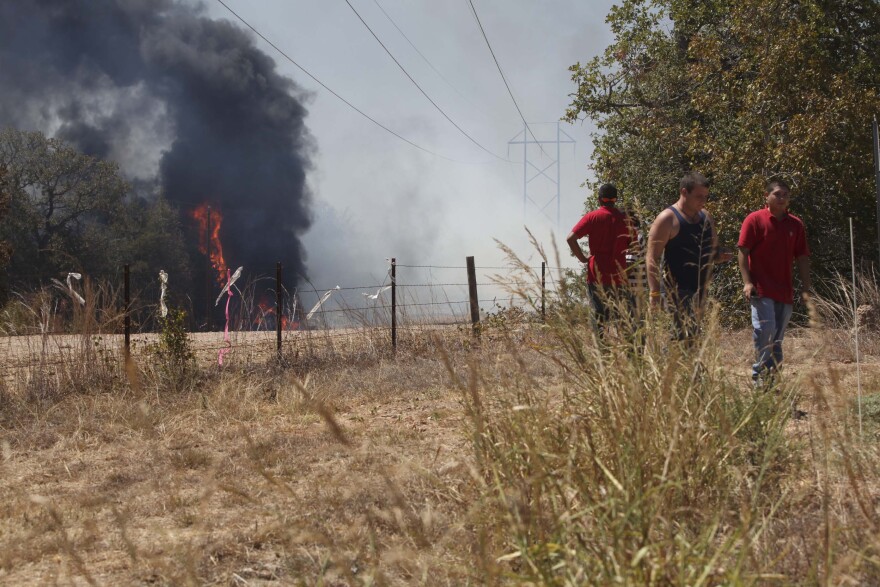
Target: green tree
742	91
70	212
150	238
5	247
59	199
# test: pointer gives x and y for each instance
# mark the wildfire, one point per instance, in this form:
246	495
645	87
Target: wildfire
263	319
210	220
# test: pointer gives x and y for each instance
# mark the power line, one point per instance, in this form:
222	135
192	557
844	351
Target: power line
428	61
326	87
498	65
425	94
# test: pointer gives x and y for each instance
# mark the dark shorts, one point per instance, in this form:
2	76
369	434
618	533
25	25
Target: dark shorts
685	304
610	302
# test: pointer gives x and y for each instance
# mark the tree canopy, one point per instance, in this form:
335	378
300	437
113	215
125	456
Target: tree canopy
5	248
57	195
742	91
72	212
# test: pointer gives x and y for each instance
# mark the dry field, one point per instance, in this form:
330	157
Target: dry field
348	466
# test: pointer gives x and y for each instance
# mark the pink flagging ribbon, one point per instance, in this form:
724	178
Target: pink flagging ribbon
228	342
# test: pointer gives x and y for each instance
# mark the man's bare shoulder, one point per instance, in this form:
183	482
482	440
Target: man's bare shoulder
665	220
665	214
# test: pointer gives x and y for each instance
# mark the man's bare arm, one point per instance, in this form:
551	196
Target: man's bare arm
657	239
572	241
748	287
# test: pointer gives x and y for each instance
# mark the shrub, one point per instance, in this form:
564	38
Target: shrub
176	359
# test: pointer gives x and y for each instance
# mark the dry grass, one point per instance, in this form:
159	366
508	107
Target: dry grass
244	477
536	457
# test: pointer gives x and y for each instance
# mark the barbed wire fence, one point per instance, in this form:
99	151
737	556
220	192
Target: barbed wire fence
412	299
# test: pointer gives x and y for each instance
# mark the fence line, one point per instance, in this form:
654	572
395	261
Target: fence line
508	267
115	354
372	317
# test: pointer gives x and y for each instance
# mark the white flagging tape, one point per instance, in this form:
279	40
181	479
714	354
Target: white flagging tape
163	282
228	285
378	293
227	289
320	303
70	277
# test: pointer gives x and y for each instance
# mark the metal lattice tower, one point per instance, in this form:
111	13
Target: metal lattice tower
525	139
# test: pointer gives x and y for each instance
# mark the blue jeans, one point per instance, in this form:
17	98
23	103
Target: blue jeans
769	319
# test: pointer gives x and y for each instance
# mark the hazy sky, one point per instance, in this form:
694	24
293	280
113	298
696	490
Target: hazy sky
378	197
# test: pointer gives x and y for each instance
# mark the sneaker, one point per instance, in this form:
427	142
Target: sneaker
766	380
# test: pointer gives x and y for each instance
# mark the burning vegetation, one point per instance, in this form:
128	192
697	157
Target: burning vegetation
209	220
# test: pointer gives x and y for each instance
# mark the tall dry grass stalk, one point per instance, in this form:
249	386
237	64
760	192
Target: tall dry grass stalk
834	307
620	458
651	464
59	349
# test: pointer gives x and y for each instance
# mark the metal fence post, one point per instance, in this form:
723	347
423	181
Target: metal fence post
127	318
543	290
876	133
472	293
394	304
209	277
279	310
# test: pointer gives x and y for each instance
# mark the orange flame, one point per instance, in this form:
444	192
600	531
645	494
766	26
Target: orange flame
210	220
267	310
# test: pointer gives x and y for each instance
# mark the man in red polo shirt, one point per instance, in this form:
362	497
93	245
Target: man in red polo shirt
610	233
769	242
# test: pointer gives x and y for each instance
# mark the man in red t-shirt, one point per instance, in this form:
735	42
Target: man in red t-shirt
769	242
610	233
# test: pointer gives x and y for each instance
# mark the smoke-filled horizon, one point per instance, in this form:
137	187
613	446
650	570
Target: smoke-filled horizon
136	81
181	101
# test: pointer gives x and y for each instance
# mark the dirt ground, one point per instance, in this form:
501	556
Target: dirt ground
240	483
237	483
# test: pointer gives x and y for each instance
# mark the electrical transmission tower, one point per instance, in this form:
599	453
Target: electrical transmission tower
532	172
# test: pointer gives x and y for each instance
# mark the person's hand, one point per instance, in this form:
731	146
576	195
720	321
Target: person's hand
805	296
656	299
749	290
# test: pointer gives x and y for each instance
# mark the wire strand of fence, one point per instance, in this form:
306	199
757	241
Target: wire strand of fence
494	267
403	306
115	352
335	288
255	320
511	300
488	284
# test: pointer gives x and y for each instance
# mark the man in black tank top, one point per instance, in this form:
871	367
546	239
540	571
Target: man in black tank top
684	233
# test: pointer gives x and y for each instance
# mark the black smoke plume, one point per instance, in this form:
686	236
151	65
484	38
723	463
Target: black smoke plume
175	97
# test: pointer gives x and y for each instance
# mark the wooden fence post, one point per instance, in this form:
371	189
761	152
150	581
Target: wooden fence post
279	310
127	318
394	304
472	293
